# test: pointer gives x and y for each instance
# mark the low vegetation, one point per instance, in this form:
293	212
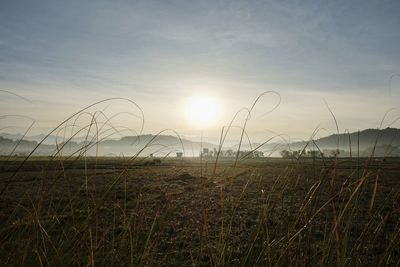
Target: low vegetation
262	212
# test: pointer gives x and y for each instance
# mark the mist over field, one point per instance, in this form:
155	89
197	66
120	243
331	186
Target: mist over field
386	143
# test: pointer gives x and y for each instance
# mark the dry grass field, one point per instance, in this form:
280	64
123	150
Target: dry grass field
268	212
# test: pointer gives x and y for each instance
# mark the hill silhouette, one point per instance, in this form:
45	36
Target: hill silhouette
386	143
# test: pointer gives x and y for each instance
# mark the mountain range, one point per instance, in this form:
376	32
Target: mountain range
385	141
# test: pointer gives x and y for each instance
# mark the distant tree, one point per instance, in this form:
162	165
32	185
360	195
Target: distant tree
296	154
314	154
286	154
335	153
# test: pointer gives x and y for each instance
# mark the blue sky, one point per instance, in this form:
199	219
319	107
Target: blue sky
66	54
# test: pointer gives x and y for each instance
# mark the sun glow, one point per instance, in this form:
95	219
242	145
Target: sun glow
202	111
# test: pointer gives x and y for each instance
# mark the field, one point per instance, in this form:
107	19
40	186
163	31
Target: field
169	212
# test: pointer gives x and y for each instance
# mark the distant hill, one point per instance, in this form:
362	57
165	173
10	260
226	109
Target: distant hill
50	140
365	139
387	141
130	145
159	145
382	139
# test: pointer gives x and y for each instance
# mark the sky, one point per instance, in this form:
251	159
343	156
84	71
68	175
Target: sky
65	55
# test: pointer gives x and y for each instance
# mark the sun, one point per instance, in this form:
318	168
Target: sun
202	111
